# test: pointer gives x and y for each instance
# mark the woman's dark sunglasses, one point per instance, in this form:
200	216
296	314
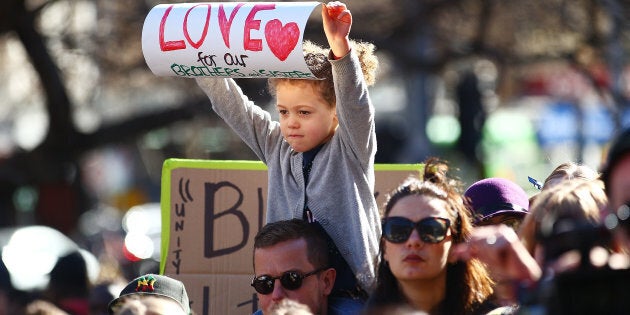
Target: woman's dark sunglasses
431	230
290	280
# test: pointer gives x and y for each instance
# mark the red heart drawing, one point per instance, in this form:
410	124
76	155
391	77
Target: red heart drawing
281	39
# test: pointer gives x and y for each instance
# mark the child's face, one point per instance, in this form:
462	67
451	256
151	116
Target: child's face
306	120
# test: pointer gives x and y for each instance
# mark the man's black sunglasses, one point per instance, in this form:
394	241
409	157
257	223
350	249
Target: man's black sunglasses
431	230
290	280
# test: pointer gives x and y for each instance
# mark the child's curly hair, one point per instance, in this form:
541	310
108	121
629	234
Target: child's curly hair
316	58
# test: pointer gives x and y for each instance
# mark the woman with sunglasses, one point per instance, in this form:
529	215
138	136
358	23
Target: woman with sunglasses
423	219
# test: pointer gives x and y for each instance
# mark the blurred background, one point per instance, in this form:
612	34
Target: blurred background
498	88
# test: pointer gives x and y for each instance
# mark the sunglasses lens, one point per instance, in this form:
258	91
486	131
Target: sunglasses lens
291	280
397	230
263	284
433	230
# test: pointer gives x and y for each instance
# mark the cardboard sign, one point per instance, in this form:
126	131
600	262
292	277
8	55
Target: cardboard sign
234	39
211	211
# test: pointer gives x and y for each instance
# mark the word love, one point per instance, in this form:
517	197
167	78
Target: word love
281	39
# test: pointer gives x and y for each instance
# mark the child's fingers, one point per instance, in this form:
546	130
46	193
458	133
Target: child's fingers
338	11
345	17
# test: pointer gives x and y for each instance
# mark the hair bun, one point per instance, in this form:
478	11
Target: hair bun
435	171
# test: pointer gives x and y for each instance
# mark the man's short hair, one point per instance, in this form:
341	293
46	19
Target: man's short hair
294	229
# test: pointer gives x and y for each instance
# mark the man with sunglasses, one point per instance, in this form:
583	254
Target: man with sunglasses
291	261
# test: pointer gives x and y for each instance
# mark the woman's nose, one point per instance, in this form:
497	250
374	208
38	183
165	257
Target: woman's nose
414	239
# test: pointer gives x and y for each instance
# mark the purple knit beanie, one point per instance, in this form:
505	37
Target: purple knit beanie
494	197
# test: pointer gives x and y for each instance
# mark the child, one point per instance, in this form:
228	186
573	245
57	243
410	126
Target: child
320	155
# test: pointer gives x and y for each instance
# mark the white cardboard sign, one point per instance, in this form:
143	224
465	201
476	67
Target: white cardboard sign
234	39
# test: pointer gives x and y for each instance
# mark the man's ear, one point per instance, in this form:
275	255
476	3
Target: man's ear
328	277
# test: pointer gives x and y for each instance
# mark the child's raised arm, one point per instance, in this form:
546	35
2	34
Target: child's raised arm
337	22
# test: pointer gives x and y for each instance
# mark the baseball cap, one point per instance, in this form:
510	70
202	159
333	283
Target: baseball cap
157	285
495	199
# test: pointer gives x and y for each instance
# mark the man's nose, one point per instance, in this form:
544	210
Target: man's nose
278	291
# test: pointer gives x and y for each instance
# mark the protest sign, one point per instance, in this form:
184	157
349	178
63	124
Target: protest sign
211	211
232	39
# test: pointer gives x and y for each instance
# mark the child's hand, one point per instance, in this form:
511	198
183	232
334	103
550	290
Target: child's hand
338	11
337	22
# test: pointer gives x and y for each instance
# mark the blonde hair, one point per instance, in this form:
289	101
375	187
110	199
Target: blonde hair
570	170
290	307
577	199
316	58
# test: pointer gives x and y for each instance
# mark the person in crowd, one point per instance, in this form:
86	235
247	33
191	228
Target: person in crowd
423	220
571	242
497	201
576	199
292	261
69	285
103	292
151	294
43	307
499	247
394	310
555	237
616	177
11	301
616	170
5	287
290	307
320	154
569	171
566	171
573	248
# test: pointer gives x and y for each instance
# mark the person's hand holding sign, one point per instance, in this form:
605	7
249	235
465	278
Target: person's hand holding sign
337	22
337	10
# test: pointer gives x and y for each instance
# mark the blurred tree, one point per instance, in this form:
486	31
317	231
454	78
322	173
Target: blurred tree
52	166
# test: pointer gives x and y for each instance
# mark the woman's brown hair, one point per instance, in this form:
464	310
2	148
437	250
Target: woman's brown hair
468	284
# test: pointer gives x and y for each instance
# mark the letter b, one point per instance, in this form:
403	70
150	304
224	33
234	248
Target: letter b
212	215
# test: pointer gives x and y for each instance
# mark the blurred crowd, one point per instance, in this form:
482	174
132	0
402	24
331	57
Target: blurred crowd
43	271
563	250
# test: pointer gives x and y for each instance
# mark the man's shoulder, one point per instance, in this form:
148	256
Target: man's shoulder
344	306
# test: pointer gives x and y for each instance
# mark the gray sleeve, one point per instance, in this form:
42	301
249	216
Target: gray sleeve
250	122
354	108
